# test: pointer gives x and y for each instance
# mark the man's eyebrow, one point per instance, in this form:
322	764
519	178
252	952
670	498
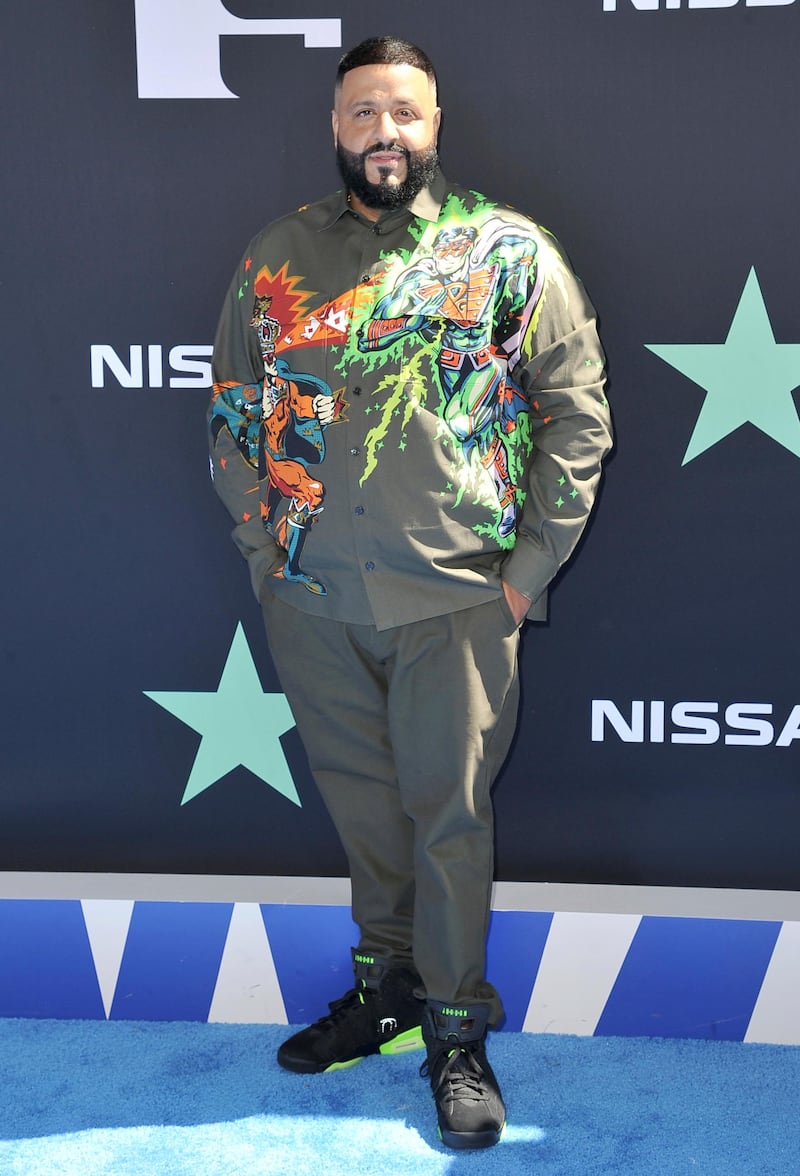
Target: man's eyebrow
372	100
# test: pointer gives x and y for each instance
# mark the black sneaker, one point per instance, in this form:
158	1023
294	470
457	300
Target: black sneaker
468	1100
380	1015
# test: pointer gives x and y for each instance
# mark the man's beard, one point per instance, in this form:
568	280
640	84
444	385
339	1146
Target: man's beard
421	167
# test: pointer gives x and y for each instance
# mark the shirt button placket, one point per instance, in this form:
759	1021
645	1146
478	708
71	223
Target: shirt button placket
359	510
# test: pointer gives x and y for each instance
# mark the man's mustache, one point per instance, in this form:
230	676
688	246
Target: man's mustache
376	148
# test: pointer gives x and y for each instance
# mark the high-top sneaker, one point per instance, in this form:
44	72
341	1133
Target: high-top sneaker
379	1015
468	1100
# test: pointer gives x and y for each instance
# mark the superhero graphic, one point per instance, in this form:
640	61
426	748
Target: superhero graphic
438	328
472	280
295	411
279	427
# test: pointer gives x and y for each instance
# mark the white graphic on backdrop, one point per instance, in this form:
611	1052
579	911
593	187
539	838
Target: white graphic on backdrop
146	366
744	724
177	44
655	5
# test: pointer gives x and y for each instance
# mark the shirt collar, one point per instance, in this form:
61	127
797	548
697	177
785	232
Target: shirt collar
339	207
428	204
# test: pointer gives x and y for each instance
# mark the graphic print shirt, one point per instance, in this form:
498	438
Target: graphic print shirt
408	409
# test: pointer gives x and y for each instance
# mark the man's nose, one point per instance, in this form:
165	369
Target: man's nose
388	127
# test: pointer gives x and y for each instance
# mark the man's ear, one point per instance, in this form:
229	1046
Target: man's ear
335	127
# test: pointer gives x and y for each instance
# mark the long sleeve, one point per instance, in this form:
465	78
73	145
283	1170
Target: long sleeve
234	424
561	369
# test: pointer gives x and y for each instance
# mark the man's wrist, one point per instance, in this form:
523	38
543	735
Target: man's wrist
518	602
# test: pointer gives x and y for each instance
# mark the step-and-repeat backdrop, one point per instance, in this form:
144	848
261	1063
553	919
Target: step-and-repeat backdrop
145	142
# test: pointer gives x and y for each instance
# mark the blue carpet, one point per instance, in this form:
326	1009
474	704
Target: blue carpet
85	1098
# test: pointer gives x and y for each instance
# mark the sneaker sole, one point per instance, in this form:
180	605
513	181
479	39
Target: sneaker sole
404	1043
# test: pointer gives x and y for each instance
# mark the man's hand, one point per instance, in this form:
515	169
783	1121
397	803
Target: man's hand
518	602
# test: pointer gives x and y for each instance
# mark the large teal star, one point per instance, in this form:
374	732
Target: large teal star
748	378
239	724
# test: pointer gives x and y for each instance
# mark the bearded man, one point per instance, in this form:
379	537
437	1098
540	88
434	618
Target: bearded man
402	673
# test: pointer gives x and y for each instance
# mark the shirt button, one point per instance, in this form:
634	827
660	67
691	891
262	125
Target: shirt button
364	277
369	565
359	510
357	391
354	452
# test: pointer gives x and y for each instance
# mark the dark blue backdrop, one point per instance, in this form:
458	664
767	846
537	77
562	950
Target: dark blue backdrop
661	147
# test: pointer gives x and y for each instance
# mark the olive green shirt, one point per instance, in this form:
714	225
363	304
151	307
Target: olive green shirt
412	407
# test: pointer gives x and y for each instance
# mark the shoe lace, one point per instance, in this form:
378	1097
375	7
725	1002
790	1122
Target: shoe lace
342	1008
459	1071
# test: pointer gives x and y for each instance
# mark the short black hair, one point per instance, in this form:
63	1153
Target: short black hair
386	51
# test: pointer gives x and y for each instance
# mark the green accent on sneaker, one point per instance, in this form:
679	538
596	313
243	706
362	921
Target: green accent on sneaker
363	959
446	1012
404	1042
343	1065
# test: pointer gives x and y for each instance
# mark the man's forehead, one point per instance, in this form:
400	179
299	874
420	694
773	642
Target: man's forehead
374	82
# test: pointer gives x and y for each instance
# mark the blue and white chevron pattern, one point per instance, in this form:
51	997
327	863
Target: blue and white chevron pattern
586	974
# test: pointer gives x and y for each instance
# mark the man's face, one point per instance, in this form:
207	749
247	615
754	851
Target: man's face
385	126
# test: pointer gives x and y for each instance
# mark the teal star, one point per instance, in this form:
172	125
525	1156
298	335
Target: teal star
748	378
238	722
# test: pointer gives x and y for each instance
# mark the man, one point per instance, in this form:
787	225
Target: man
431	355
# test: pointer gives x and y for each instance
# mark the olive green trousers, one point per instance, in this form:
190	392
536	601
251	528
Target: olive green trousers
405	731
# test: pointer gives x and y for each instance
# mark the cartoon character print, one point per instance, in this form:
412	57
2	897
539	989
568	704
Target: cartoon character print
295	411
279	427
466	295
472	282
